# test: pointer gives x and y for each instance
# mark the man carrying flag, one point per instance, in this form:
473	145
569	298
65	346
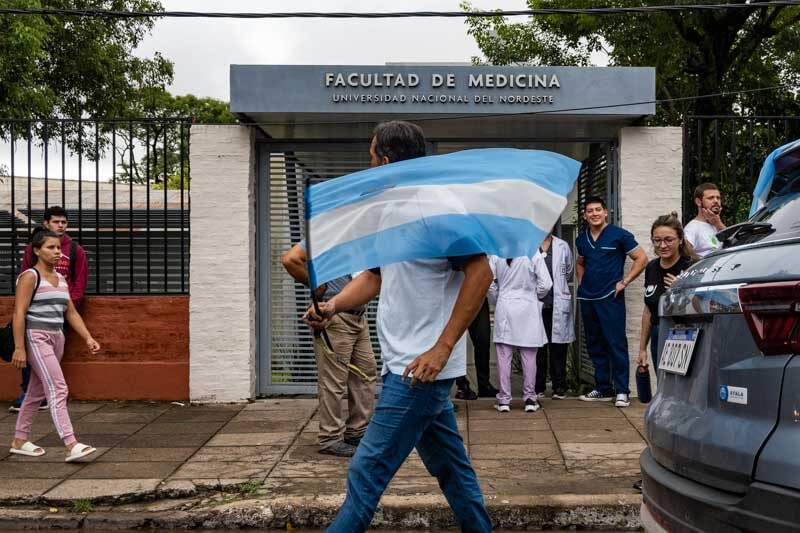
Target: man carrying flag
427	224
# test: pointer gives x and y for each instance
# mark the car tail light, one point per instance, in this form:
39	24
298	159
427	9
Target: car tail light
772	311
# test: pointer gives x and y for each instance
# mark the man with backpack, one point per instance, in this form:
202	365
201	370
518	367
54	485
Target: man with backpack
73	265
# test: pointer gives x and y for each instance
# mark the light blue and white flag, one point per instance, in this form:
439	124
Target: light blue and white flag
498	201
767	176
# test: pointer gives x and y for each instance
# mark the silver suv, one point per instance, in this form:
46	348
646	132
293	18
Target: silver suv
724	427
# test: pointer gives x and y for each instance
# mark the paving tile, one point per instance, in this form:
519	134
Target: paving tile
79	409
555	414
164	441
566	484
514	451
307	438
100	428
214	470
268	426
56	455
252	439
629	435
574	403
138	470
52	440
120	417
273	415
26	470
188	414
605	468
238	453
152	455
494	469
335	467
499	424
409	486
510	437
298	486
182	428
601	451
26	488
596	424
282	404
78	489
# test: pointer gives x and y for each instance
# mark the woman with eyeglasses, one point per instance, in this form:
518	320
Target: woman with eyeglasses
675	254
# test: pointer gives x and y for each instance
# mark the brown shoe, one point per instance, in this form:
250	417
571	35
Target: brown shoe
339	449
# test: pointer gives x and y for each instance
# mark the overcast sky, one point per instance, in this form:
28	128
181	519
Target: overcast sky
203	49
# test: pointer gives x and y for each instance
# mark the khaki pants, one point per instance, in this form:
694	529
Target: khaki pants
349	336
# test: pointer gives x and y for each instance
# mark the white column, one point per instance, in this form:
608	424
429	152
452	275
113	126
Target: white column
222	304
650	163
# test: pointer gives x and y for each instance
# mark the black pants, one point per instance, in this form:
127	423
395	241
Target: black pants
557	355
480	333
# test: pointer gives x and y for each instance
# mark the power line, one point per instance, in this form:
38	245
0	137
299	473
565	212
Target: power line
598	11
528	113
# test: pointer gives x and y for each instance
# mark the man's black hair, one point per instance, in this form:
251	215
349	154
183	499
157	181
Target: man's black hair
55	211
399	140
595	200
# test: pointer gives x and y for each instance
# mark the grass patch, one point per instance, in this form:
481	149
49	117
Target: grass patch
82	506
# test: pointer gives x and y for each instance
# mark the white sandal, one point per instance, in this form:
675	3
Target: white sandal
28	449
79	451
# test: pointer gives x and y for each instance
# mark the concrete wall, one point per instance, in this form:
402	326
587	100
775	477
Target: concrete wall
144	352
223	264
650	185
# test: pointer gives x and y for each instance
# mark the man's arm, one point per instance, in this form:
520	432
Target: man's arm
579	269
294	261
477	278
360	291
639	258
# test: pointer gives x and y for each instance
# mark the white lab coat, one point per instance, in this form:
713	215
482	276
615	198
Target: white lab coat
516	290
563	321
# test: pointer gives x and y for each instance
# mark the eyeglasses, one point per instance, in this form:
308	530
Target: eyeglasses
669	241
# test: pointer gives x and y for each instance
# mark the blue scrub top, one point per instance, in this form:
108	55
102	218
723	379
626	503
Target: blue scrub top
603	261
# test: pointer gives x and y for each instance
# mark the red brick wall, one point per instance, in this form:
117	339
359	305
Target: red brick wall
144	350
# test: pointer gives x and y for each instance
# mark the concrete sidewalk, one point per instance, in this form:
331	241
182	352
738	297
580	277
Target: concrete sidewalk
256	465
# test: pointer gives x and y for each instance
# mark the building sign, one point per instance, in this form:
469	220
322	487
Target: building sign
432	89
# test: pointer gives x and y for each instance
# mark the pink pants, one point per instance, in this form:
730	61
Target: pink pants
504	354
45	349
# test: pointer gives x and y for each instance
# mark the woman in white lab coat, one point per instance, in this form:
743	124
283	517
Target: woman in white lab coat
557	317
518	285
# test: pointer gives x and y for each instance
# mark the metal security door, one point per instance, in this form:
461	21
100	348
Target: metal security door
286	357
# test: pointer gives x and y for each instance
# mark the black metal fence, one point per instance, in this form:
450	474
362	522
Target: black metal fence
125	187
729	151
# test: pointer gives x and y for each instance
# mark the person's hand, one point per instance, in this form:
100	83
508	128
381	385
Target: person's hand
318	321
20	358
713	219
619	288
641	360
669	279
427	366
93	345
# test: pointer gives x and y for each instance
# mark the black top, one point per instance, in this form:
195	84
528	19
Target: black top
654	283
548	260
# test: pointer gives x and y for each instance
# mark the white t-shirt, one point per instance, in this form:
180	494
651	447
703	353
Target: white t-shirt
416	301
702	235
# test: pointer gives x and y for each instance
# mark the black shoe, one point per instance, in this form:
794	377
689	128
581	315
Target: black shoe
352	441
531	406
487	392
43	406
339	449
466	394
559	394
638	485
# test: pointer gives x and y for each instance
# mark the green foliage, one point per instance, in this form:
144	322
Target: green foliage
697	52
76	66
82	506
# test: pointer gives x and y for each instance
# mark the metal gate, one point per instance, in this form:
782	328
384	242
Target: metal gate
286	356
598	177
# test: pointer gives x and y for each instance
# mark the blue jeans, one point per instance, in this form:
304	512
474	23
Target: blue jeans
405	417
607	343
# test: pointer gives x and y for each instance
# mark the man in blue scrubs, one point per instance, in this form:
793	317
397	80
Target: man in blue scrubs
600	268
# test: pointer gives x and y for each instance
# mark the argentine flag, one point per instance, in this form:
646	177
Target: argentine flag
498	201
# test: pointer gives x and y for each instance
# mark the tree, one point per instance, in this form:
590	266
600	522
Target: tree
75	66
694	52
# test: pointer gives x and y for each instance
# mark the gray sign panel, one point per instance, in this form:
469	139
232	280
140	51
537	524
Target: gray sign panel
442	89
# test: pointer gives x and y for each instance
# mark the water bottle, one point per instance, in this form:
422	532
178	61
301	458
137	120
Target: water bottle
643	383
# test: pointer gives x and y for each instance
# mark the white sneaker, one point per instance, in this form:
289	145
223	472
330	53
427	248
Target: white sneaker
531	406
622	400
503	407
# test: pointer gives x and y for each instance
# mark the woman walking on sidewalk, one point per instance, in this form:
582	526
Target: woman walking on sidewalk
518	285
41	304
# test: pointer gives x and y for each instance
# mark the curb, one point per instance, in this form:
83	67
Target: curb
566	511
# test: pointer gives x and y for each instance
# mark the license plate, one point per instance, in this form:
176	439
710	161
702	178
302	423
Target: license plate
678	350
